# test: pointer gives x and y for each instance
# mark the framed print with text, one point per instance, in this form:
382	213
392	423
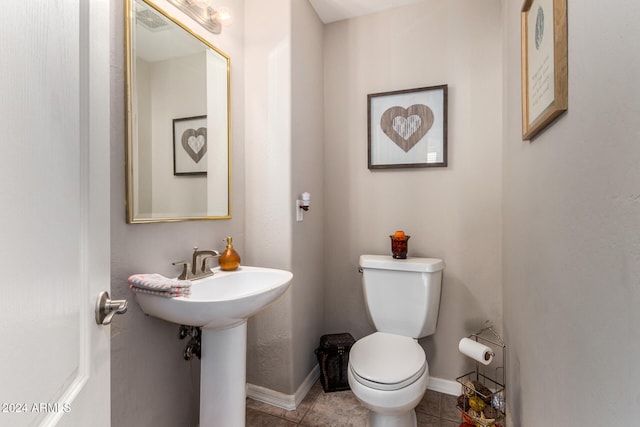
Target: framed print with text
544	64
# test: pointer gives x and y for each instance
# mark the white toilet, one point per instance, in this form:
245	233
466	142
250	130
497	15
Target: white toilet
388	371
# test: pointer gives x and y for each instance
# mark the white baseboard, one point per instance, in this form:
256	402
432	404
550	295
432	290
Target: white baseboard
444	386
290	402
285	401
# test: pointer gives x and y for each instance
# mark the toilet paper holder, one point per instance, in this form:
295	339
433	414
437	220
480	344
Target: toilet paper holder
489	343
488	377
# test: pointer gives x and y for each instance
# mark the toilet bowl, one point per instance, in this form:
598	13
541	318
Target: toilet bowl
388	371
389	375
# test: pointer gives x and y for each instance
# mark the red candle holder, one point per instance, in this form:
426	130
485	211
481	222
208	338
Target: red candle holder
399	246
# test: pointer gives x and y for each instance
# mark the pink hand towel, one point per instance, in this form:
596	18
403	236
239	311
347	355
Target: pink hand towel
179	292
158	283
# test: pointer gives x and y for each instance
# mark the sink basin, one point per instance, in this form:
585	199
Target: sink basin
224	300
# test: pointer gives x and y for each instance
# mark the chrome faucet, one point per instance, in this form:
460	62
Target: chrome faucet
198	267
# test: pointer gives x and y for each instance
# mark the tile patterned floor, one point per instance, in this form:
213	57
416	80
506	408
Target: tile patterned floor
341	409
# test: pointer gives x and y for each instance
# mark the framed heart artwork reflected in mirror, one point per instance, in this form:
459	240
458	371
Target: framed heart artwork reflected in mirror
190	146
408	128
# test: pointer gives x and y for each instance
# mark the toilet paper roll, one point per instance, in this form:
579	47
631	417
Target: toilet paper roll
476	351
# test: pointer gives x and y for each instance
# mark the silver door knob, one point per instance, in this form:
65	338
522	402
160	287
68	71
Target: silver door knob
107	308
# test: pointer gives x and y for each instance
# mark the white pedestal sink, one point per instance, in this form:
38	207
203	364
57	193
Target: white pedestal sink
221	305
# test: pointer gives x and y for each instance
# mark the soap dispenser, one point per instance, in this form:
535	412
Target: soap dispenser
229	259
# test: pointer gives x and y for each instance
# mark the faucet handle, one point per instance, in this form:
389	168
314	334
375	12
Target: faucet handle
186	266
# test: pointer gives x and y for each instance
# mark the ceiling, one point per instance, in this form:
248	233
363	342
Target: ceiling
336	10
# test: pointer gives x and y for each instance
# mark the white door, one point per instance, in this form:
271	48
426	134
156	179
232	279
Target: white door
54	218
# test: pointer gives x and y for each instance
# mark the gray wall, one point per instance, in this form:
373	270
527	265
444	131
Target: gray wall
284	84
151	383
451	213
571	233
307	175
269	204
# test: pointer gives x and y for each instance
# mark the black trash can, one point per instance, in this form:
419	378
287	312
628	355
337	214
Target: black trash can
333	358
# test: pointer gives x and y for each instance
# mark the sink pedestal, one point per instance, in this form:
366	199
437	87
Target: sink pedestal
223	376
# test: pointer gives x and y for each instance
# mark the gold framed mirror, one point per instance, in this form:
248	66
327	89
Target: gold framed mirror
178	156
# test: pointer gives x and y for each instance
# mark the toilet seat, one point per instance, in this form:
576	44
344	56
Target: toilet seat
385	361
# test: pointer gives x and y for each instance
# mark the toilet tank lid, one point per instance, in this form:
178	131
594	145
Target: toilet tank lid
386	262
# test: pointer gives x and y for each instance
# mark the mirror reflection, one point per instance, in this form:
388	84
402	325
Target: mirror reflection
178	145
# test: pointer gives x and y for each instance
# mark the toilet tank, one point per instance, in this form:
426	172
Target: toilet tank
402	295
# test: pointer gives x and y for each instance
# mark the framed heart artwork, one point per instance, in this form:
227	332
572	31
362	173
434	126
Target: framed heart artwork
190	146
408	128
